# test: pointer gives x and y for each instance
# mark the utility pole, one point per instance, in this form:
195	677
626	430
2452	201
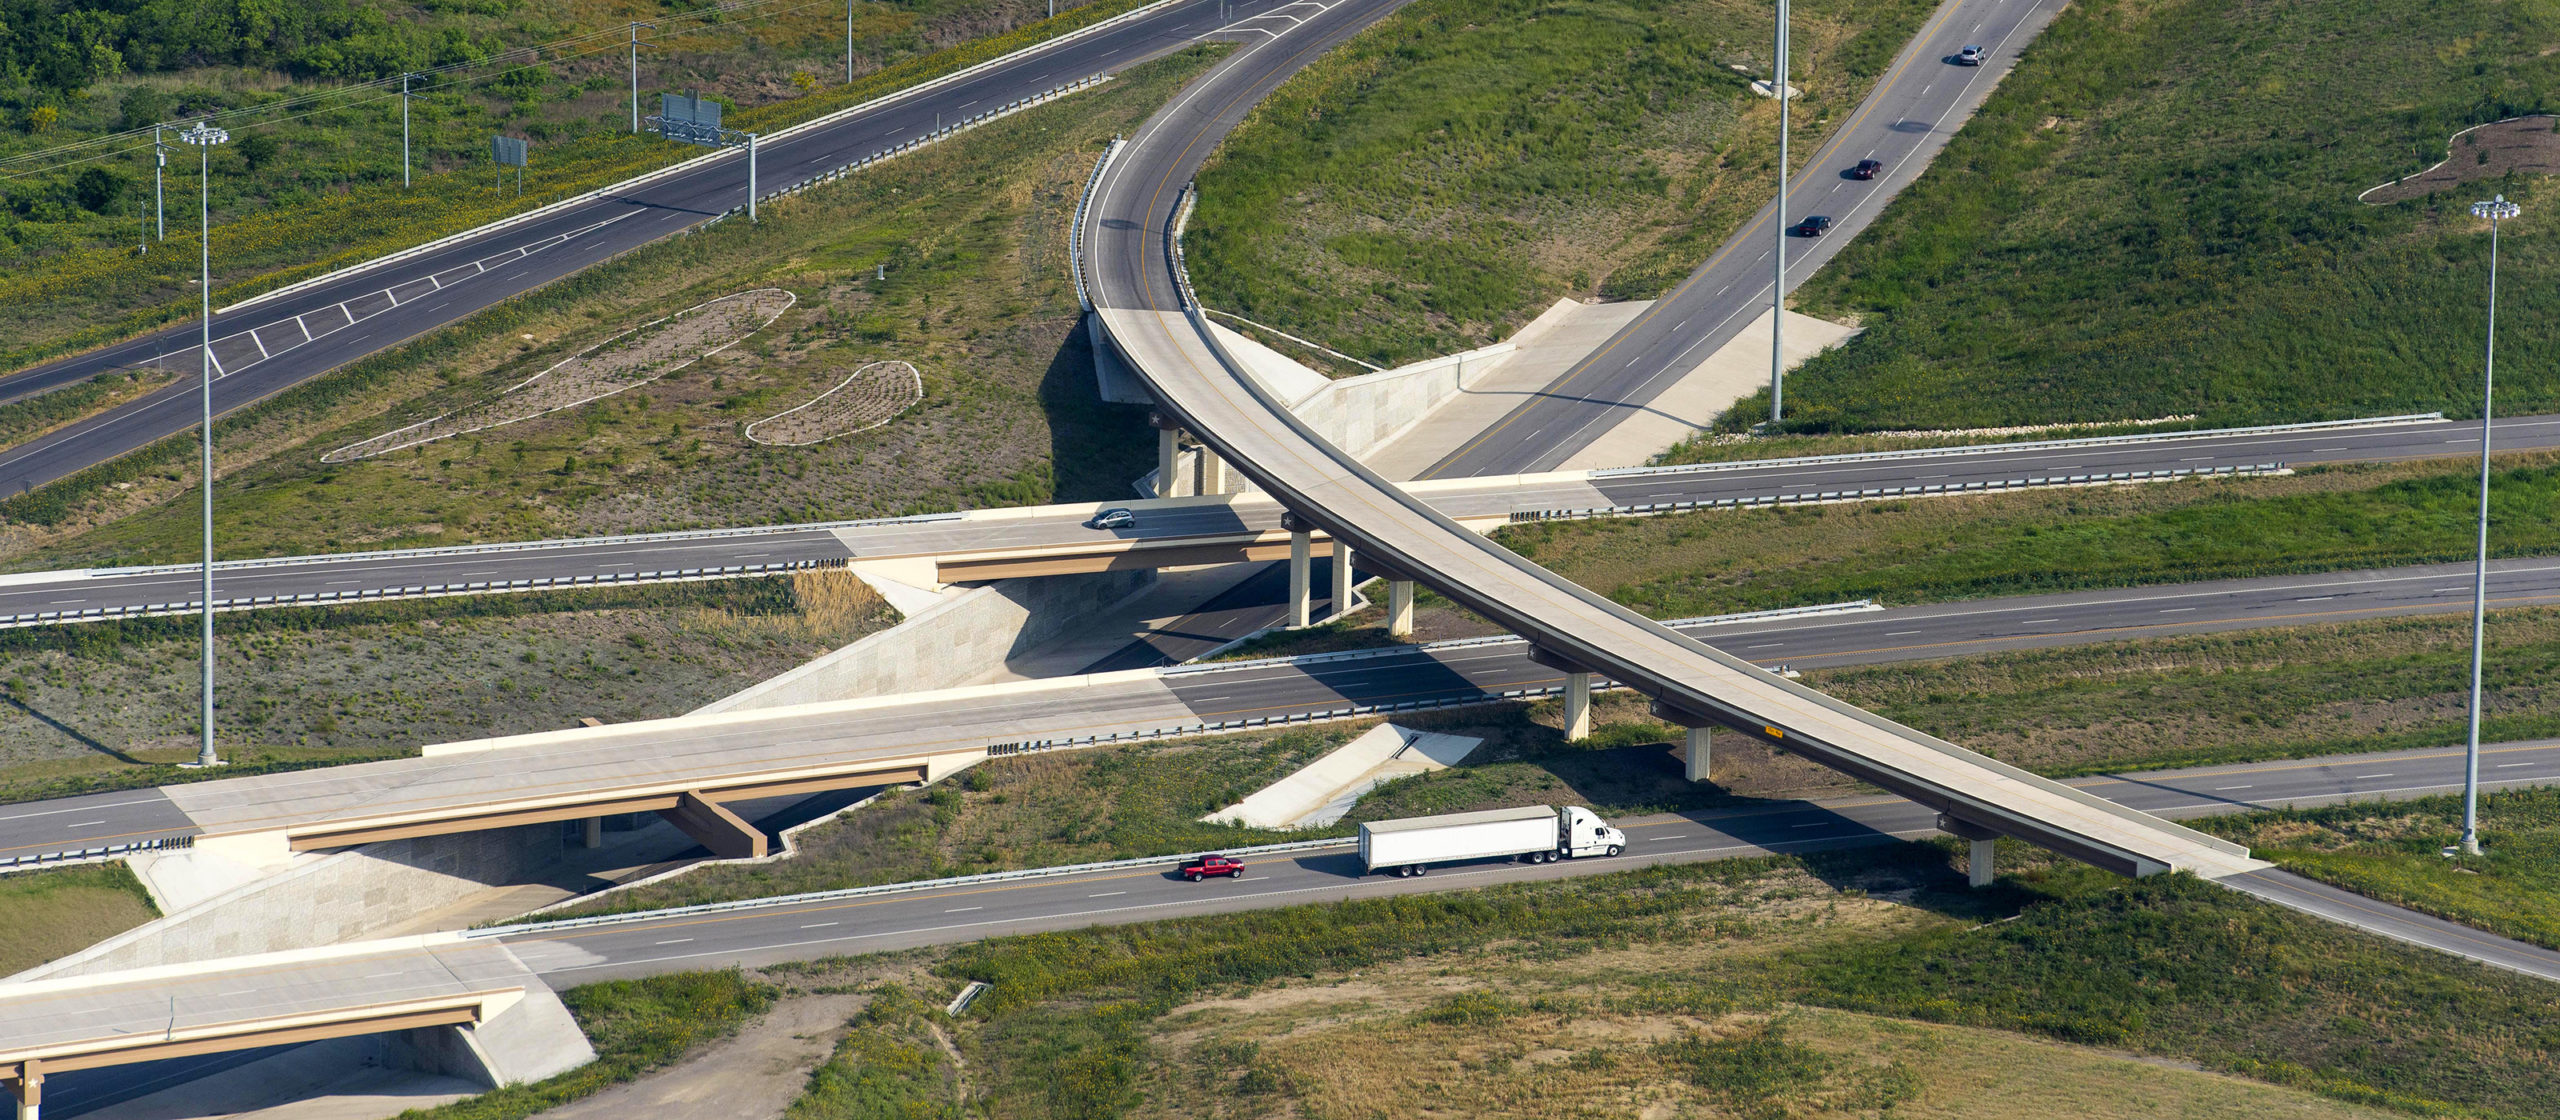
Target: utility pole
404	131
2496	211
751	178
1778	294
635	73
159	163
848	40
204	136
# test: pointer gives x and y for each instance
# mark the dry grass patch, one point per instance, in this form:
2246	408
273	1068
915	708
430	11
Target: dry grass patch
48	914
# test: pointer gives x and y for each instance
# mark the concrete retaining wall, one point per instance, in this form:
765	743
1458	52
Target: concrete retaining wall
322	900
1359	414
957	641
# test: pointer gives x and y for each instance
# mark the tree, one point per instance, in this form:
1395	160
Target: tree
97	189
42	118
259	149
145	105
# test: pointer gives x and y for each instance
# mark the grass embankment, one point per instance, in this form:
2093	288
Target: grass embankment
635	1026
113	704
1775	987
2124	232
972	233
2393	852
1440	180
49	914
296	199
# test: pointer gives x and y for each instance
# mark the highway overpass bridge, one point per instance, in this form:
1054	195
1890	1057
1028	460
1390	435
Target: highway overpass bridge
1132	267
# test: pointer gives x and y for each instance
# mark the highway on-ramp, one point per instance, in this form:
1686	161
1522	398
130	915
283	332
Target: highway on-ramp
1131	267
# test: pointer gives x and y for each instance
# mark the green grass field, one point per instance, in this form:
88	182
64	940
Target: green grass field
1770	988
48	914
1444	177
2132	229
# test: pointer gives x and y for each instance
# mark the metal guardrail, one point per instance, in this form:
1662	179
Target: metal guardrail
2007	448
1525	516
95	854
1855	606
411	591
1084	209
933	137
525	929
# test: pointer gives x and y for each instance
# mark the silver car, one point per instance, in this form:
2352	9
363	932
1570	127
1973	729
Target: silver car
1115	518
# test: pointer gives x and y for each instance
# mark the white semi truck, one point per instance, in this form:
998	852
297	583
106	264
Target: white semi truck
1539	833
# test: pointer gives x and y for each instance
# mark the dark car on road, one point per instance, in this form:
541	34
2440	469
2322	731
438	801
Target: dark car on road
1113	519
1204	866
1813	226
1971	55
1867	169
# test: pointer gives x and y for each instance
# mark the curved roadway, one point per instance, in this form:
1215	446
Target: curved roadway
1143	306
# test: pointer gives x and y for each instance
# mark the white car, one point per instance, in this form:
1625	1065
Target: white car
1971	55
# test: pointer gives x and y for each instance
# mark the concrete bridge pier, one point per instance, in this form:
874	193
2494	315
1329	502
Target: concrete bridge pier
1399	608
1577	692
1978	862
1213	471
1341	577
1168	454
27	1090
1301	567
1699	750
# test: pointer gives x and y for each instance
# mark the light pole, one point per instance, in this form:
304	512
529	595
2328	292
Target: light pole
635	73
848	42
159	161
1778	293
204	136
404	131
2496	210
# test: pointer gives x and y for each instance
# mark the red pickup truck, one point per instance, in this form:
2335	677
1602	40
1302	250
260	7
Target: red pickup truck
1205	866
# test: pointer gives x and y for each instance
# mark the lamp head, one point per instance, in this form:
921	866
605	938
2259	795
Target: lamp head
2496	209
204	135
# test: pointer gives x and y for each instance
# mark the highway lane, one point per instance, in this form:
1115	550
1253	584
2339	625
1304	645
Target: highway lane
1909	116
570	239
970	912
1290	689
32	598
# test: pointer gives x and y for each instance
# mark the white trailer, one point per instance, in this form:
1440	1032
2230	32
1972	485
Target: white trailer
1539	833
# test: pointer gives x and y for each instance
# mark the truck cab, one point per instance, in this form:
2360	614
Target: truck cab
1585	834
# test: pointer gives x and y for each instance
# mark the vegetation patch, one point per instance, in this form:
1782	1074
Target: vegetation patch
1438	181
867	398
2481	153
2124	230
45	915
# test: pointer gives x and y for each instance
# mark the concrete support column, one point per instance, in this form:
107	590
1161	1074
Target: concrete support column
1341	576
1400	608
1577	707
1700	750
28	1088
594	837
1168	454
1301	567
1978	861
1213	472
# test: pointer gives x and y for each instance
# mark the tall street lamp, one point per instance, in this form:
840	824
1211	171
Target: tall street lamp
204	136
2495	210
1778	293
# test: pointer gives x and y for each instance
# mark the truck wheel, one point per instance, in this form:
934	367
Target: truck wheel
1546	857
1615	849
1404	872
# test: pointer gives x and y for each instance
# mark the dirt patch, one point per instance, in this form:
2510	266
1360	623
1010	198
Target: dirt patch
755	1073
626	361
2488	151
867	398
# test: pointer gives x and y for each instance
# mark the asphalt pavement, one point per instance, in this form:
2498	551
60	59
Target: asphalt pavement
970	912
